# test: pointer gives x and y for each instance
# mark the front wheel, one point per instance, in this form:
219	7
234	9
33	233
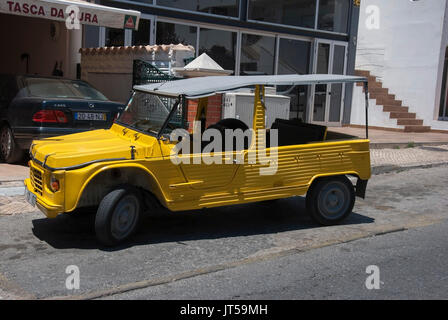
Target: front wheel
330	200
118	216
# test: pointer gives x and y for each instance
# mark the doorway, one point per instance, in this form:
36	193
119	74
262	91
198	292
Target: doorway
327	100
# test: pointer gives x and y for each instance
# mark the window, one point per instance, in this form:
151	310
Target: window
220	45
141	36
333	15
229	8
170	33
114	37
144	1
337	88
299	13
257	54
61	88
91	36
294	57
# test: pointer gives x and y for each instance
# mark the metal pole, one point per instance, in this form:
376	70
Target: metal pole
366	92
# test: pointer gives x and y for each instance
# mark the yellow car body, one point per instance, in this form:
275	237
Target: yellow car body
90	163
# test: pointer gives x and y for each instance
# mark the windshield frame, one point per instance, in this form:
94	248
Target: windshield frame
165	122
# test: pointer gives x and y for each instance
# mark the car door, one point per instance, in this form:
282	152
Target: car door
202	170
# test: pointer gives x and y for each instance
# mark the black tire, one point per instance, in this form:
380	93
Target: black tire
330	200
122	203
9	149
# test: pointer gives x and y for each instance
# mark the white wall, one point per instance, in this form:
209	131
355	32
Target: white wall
377	118
31	35
405	52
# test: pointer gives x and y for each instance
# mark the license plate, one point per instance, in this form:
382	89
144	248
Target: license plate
30	197
90	116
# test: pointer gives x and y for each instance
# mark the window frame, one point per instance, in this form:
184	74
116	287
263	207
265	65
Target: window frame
316	22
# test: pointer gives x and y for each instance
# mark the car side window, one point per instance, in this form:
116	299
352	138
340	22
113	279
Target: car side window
7	90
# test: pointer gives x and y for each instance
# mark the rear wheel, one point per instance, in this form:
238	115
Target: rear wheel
330	200
118	216
10	150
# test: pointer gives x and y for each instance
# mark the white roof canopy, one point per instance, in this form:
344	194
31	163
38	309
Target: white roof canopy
61	10
206	86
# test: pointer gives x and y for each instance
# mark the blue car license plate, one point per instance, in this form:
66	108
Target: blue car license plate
90	116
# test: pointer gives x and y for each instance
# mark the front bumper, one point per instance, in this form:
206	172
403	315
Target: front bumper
51	210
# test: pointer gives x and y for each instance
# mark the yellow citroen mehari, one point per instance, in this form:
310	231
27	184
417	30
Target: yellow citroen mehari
137	164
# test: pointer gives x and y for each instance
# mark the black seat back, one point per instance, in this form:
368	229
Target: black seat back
294	131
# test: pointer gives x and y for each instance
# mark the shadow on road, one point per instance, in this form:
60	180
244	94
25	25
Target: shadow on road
77	230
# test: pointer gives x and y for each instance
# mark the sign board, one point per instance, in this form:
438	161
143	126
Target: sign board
73	11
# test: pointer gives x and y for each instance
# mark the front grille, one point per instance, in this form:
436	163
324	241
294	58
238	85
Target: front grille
36	179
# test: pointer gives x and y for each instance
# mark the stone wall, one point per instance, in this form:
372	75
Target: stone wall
109	69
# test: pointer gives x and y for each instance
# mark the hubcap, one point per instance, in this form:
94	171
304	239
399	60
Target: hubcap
124	217
333	200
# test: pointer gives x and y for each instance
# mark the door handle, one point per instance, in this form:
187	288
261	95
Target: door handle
226	160
185	184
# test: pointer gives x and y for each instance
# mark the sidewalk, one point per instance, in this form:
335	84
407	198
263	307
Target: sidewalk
419	156
391	139
13	172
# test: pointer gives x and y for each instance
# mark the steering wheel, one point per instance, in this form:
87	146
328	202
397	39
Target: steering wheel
232	123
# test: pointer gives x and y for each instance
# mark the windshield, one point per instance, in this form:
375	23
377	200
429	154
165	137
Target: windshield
61	88
148	112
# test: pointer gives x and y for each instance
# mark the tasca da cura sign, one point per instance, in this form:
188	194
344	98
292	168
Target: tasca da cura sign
81	11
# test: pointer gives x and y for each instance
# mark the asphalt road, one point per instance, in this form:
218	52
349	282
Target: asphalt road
257	245
412	265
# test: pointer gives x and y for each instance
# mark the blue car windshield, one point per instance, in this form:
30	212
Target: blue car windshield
61	88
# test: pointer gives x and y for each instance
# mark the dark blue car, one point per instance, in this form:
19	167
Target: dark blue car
34	107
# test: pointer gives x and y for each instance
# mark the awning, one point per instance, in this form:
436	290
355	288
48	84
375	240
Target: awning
63	10
206	86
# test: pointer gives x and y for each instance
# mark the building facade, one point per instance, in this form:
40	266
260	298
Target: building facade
39	40
402	45
255	37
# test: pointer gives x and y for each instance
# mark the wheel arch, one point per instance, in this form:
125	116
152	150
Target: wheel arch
111	176
319	177
359	186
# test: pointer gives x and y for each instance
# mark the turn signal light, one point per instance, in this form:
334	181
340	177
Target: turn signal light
54	184
50	116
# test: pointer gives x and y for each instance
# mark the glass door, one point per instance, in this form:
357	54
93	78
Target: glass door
443	110
328	99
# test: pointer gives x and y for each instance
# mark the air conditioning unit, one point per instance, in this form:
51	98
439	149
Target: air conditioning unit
239	105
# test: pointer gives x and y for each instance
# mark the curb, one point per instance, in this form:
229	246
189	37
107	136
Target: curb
12	191
403	145
382	169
